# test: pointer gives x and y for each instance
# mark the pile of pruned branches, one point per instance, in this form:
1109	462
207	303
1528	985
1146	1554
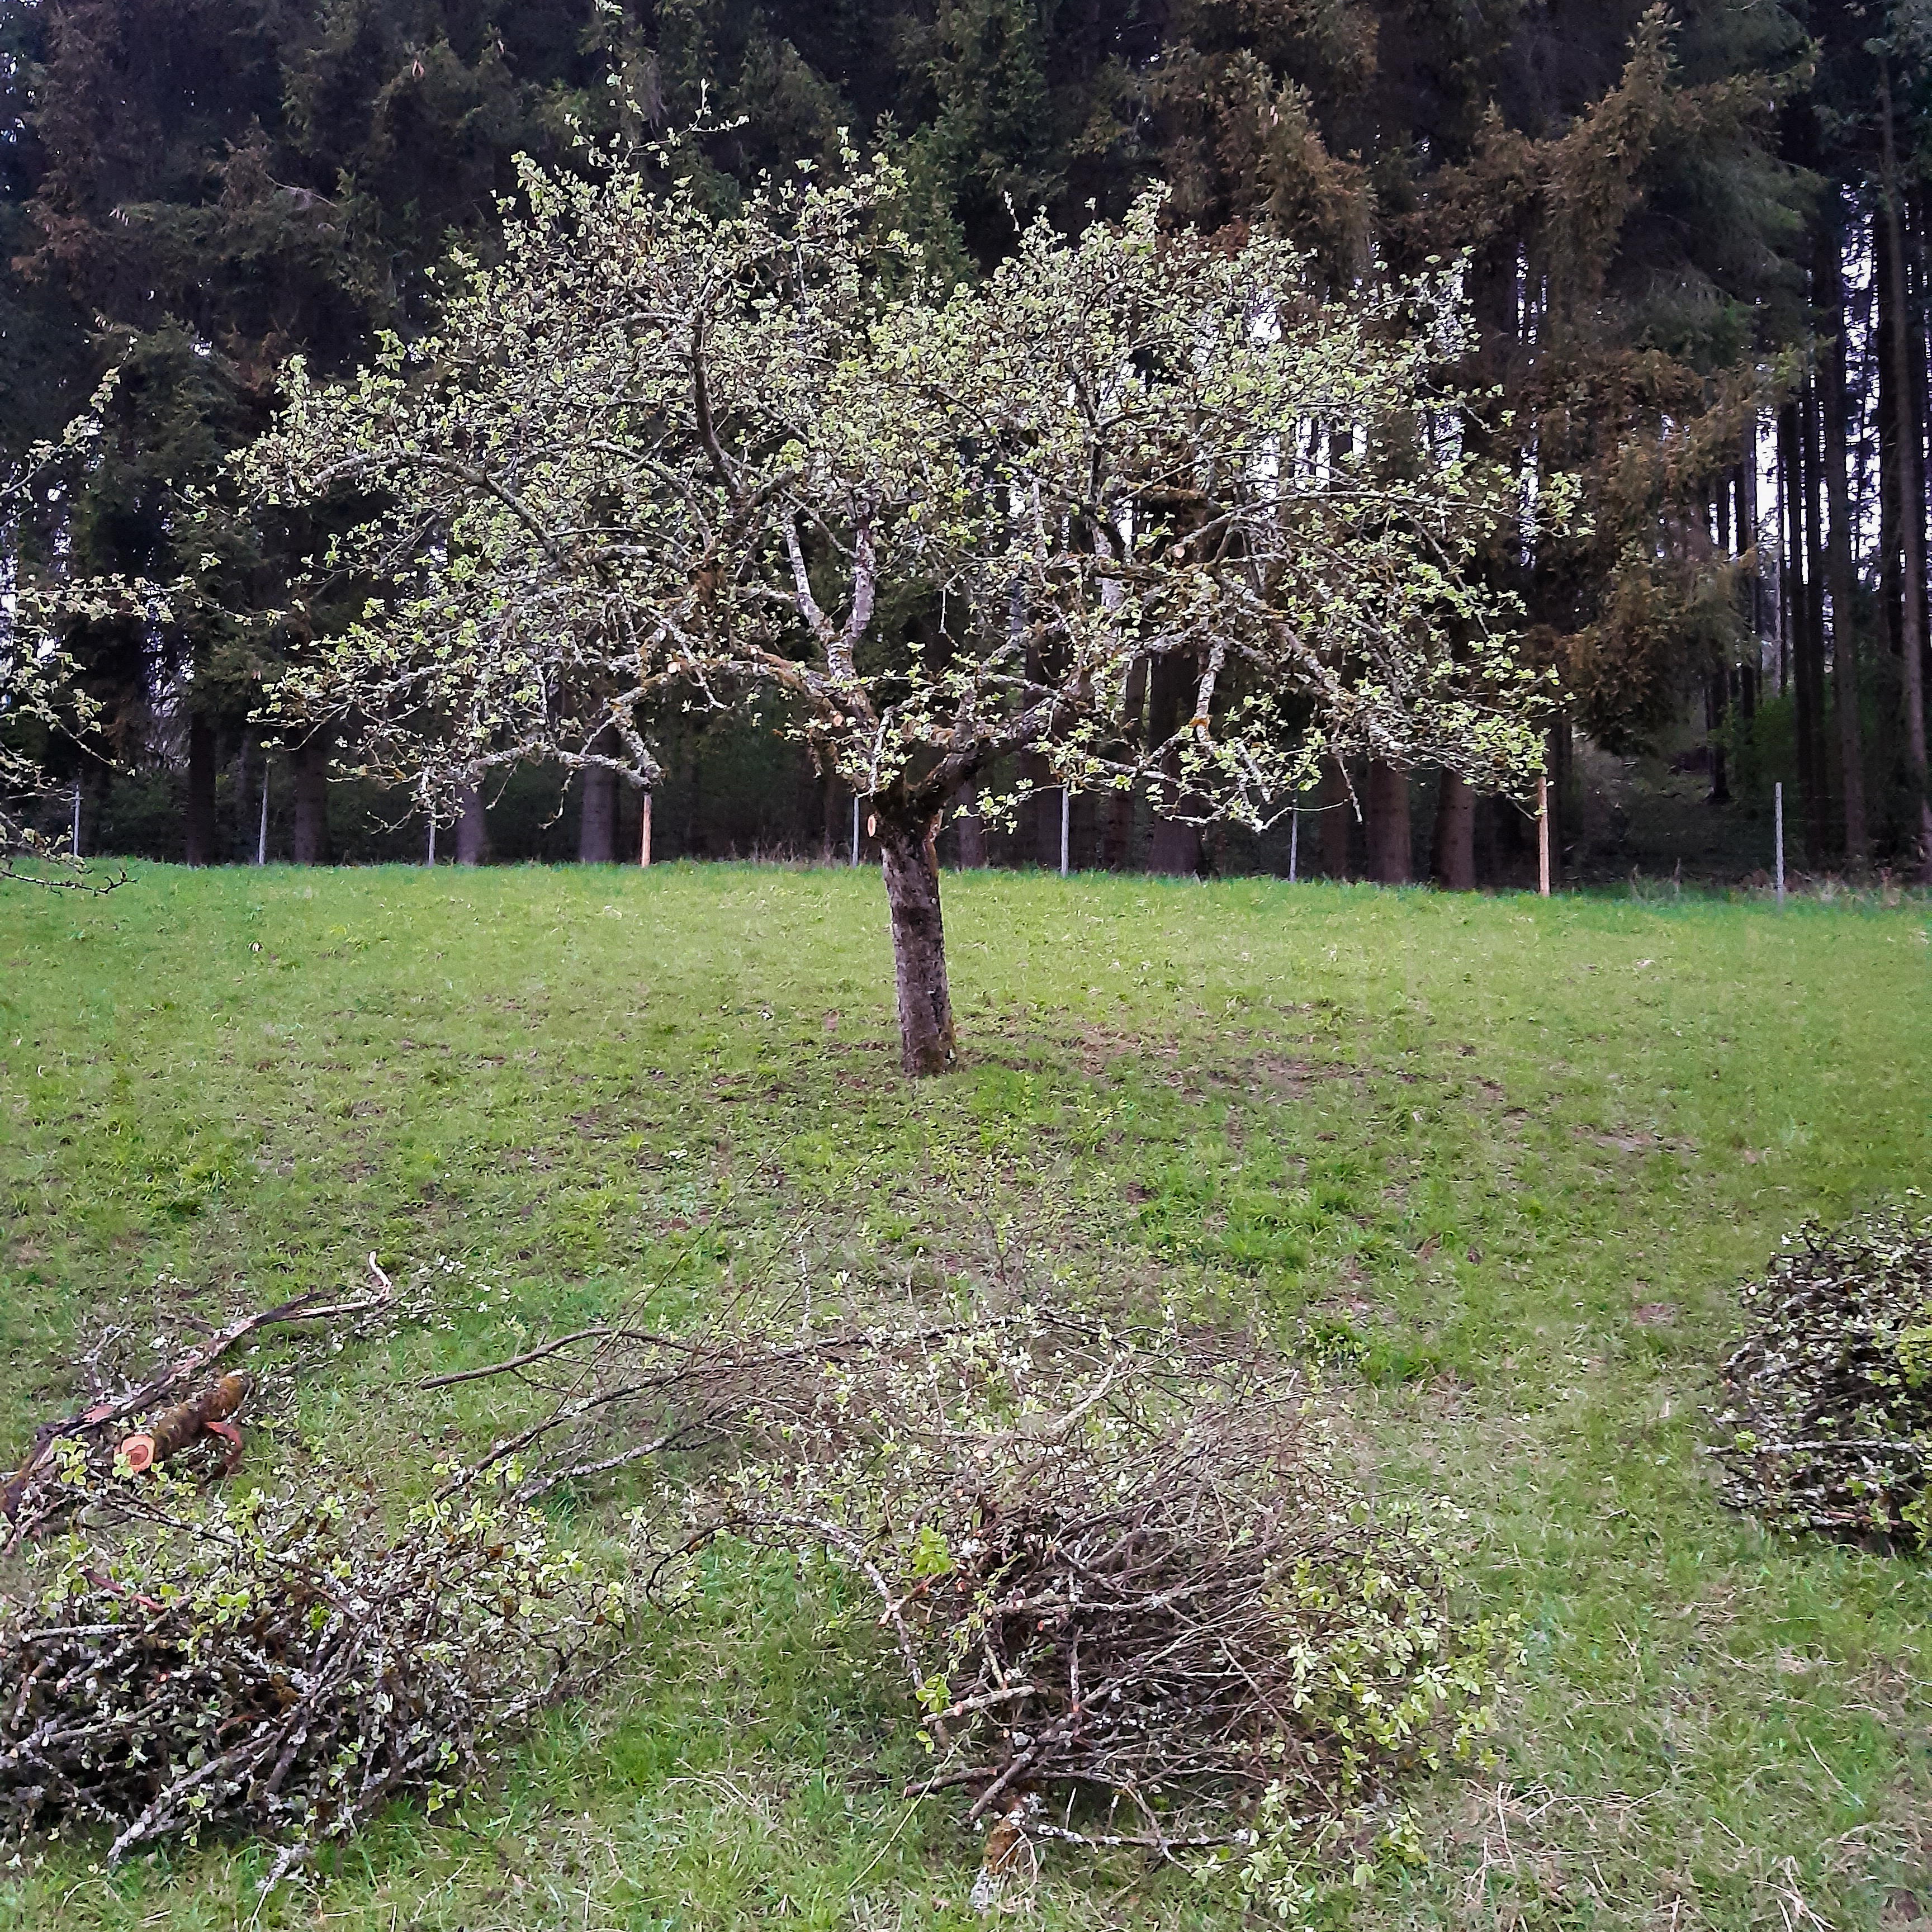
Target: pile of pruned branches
1129	1591
1830	1398
1129	1569
277	1665
1110	1571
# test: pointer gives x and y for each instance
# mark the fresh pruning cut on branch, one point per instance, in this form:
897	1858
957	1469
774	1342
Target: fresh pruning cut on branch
664	457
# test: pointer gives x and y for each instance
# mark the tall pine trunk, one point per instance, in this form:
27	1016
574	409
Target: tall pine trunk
1910	496
1747	543
1785	494
1891	570
310	761
1818	805
1454	867
245	816
927	1044
1717	687
1389	832
1797	608
1831	297
198	842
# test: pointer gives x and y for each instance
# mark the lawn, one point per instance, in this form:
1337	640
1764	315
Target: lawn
1500	1163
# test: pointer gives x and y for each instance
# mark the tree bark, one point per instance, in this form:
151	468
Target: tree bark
1911	502
311	760
1454	869
1338	808
926	1040
1390	863
199	842
472	836
597	829
1797	605
1844	641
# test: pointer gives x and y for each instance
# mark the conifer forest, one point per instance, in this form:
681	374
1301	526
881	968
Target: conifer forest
1689	244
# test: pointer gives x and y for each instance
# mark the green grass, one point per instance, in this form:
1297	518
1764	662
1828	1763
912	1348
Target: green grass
1501	1162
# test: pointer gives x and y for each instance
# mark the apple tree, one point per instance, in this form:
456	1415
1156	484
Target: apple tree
661	457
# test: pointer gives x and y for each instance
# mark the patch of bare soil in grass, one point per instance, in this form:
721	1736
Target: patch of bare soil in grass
1196	1067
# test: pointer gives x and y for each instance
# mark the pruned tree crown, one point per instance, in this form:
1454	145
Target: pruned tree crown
663	455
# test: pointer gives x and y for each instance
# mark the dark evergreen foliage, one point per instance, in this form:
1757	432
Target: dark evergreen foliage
200	188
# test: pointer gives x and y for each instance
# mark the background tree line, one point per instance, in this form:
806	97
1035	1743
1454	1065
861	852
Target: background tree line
1695	248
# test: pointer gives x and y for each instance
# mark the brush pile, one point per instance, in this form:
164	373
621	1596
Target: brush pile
1829	1408
1129	1569
1128	1590
277	1665
1121	1577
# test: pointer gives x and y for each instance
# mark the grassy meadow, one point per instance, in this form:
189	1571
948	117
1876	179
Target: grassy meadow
1501	1163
